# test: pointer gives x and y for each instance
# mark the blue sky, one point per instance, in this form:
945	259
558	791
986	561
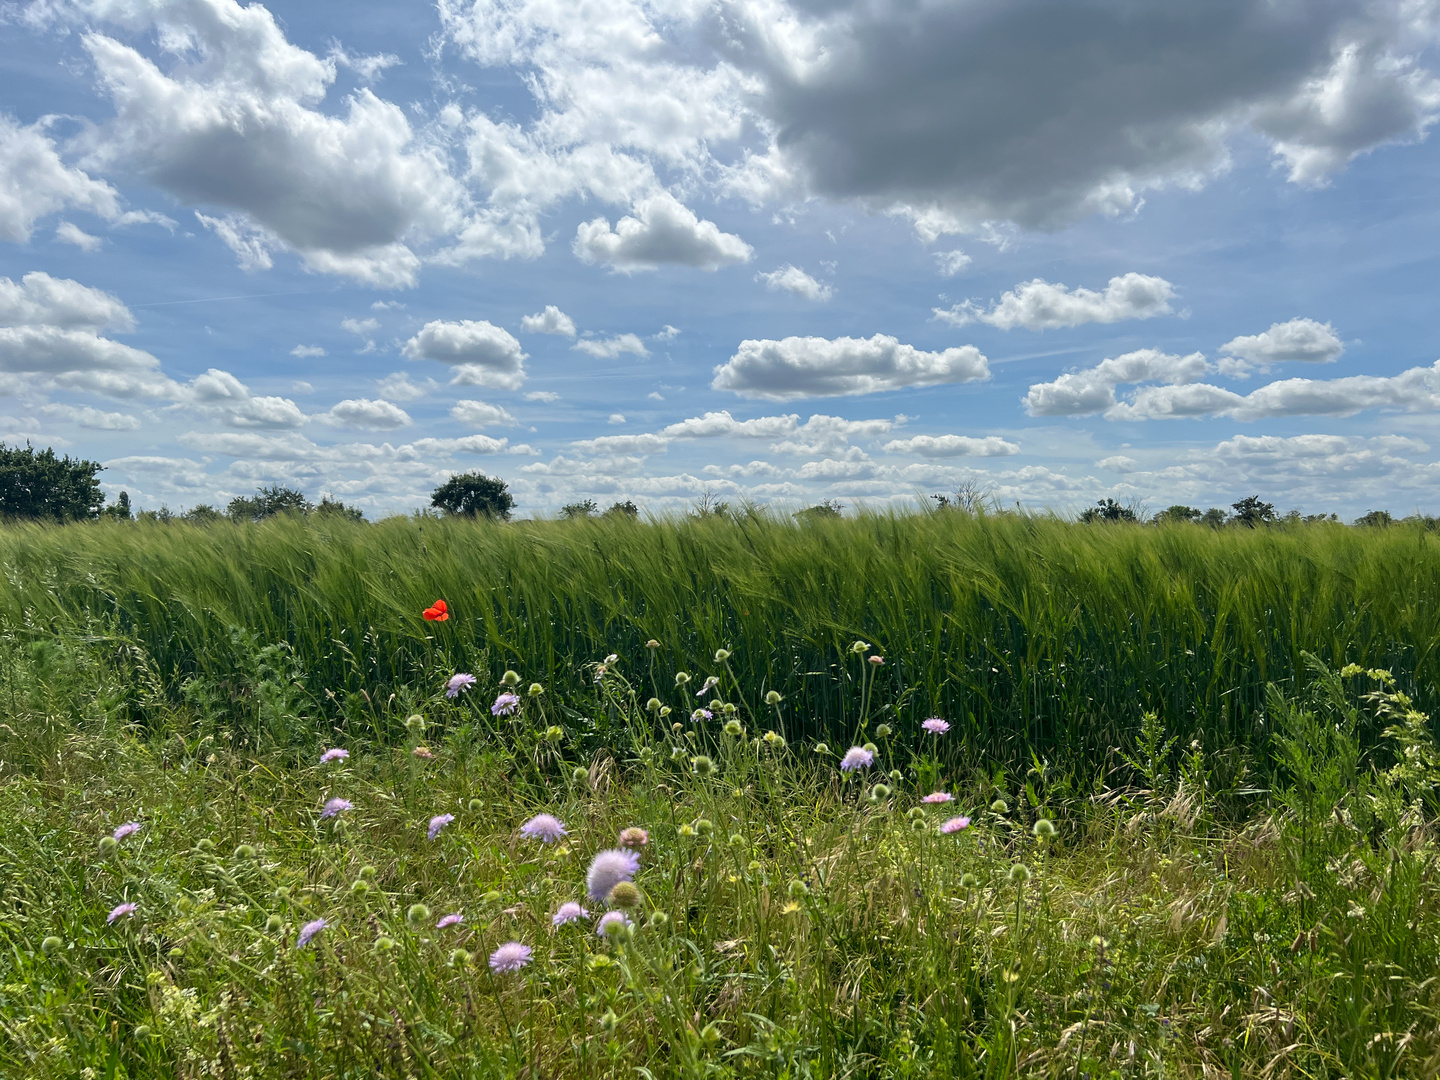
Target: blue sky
785	250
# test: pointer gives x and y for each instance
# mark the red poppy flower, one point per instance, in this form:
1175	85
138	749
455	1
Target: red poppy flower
437	612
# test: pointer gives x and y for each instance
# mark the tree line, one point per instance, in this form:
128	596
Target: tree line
39	485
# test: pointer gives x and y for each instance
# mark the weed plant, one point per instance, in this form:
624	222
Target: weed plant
1034	636
794	909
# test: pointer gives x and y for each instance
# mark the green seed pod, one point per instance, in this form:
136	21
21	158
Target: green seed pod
384	944
360	886
681	678
879	793
609	1021
896	776
1020	873
283	893
701	765
710	1035
665	711
860	647
918	825
969	881
205	844
721	655
658	920
245	853
883	731
554	733
915	813
274	924
733	727
142	1031
108	844
1044	829
51	945
653	705
870	748
798	889
999	806
729	708
772	697
822	748
704	826
774	739
415	722
494	896
459	958
475	806
626	894
417	914
736	840
580	775
536	689
510	678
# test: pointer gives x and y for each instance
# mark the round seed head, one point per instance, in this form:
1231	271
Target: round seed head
860	647
51	945
798	889
245	853
652	644
415	722
969	881
274	924
870	748
580	775
459	958
654	704
1020	873
999	806
1044	829
510	678
554	733
721	655
609	1021
822	748
681	678
774	739
896	776
205	844
108	844
879	793
535	689
918	825
360	886
772	697
732	727
701	765
417	914
704	826
883	731
475	806
658	920
384	944
626	894
729	708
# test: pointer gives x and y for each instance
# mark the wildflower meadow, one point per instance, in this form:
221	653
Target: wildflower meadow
421	818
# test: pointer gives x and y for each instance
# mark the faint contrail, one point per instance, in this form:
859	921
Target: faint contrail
212	299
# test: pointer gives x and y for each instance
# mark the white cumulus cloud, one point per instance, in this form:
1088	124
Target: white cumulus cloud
1079	393
367	414
483	354
800	367
662	231
481	414
947	446
35	182
550	321
1039	305
1297	340
792	279
610	348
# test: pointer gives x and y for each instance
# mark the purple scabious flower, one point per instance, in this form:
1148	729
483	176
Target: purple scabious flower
458	684
121	911
130	828
447	921
857	757
711	682
609	919
546	828
935	725
335	753
512	956
702	714
937	797
568	912
955	824
608	869
438	822
336	806
309	930
505	704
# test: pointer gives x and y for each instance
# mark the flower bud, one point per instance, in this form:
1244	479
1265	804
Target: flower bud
999	806
1020	873
883	731
1044	829
359	887
475	806
652	644
798	889
384	944
772	697
580	775
860	647
969	881
681	678
459	958
204	844
732	727
821	748
415	722
654	705
870	748
510	678
774	739
729	708
658	920
665	711
609	1021
142	1031
721	655
535	689
704	826
554	733
879	793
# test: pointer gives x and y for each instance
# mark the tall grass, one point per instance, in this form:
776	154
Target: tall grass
1032	635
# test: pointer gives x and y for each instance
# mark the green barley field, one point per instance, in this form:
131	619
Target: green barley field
900	795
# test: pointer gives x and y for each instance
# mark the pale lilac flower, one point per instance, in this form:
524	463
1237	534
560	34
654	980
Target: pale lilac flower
857	757
568	912
121	911
423	752
876	660
711	682
600	670
505	704
702	714
612	918
335	806
459	684
335	753
130	828
447	921
309	930
512	956
438	822
634	837
546	828
955	824
935	725
608	869
937	797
